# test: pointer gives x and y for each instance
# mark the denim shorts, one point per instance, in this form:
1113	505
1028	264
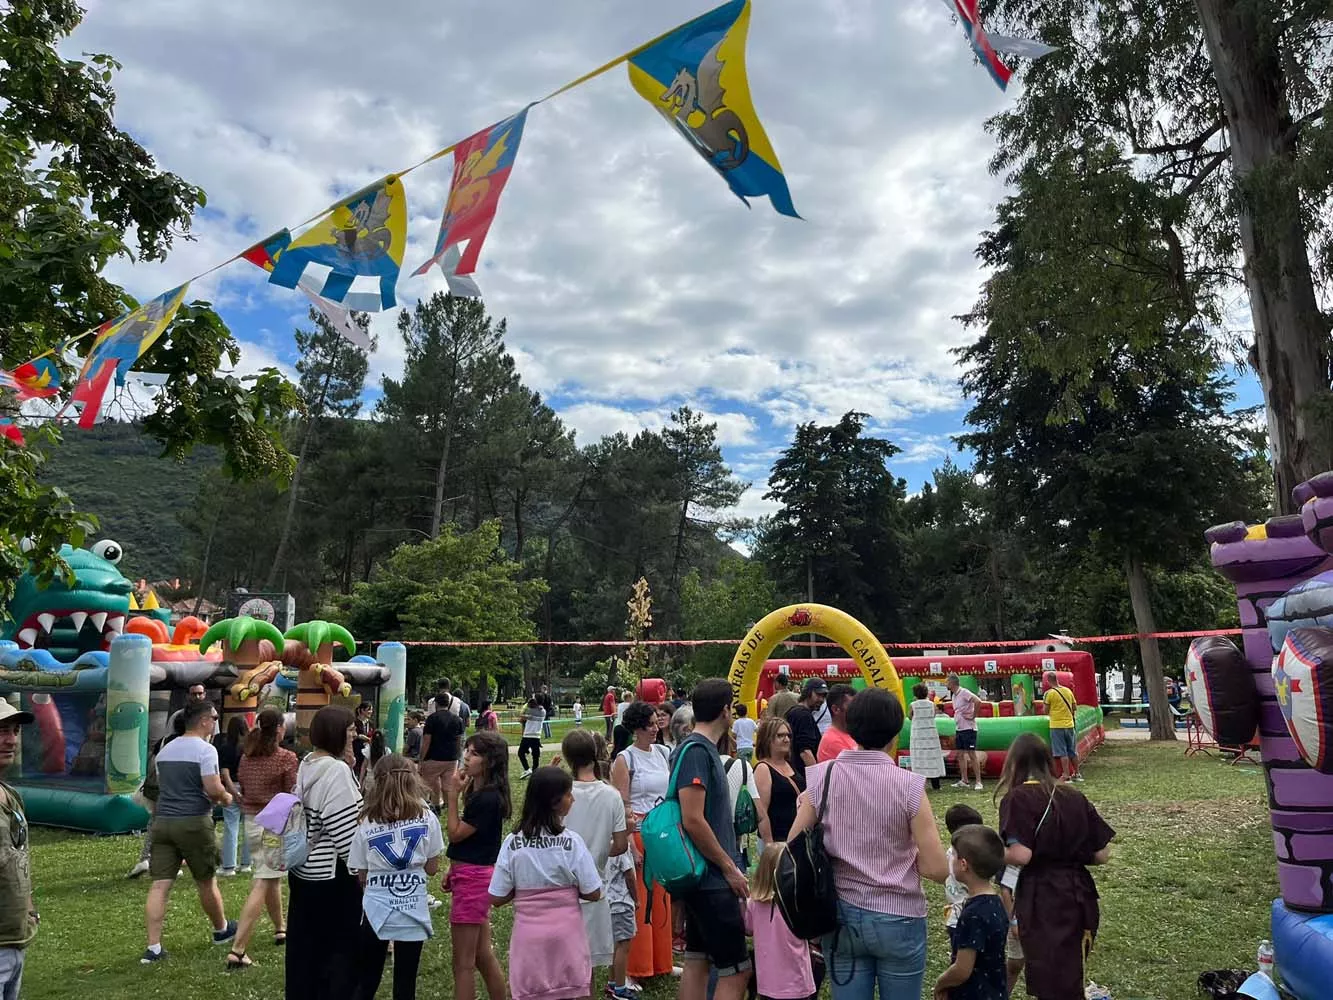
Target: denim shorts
1062	743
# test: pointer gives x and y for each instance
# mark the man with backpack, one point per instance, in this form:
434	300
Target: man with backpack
714	919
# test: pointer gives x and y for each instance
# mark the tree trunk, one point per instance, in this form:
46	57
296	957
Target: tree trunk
208	553
1291	348
1163	725
441	473
293	495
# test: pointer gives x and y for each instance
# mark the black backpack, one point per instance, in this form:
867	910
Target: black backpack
803	887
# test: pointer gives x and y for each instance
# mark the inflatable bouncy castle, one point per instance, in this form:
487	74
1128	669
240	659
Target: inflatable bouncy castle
1281	682
1009	684
101	683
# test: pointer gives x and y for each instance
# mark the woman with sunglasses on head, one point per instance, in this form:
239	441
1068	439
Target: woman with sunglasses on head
779	784
640	774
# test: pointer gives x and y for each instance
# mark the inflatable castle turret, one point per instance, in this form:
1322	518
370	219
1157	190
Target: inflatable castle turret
1281	682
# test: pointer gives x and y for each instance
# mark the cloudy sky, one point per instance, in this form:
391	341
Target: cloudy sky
631	278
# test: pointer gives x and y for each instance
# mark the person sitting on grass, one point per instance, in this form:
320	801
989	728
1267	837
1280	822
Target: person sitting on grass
978	971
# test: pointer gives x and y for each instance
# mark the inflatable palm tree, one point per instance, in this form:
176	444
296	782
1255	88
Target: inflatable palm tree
317	679
246	643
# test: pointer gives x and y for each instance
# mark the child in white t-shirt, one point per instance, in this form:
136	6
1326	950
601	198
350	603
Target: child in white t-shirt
545	870
622	893
955	818
578	713
396	848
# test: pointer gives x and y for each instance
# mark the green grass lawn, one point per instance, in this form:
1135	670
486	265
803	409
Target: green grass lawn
1188	889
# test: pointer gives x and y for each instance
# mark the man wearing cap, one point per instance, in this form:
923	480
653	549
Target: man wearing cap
18	917
804	729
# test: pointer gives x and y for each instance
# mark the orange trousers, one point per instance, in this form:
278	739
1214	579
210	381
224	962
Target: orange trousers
650	951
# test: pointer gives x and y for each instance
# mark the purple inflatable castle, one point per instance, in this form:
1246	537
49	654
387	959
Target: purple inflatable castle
1281	570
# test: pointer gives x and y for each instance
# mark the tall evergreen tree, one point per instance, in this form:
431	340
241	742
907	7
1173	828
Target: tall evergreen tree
333	376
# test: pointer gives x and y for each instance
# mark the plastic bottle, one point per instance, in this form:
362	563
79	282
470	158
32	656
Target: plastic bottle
1266	958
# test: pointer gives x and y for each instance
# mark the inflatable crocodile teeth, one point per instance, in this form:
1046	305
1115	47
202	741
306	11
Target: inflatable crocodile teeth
69	621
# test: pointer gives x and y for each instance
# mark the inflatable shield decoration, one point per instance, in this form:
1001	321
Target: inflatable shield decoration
1221	687
1303	681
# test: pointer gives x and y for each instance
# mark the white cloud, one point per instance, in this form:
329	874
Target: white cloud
631	279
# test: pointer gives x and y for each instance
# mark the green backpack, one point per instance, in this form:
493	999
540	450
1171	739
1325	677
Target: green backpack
747	814
669	856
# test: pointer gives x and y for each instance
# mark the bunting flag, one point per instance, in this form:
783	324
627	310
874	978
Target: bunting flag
695	77
264	254
981	44
9	431
117	345
35	379
482	165
362	235
341	320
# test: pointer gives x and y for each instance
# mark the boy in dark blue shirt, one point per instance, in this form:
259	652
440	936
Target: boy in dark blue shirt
978	971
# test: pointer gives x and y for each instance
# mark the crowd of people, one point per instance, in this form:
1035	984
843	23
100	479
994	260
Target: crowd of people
380	826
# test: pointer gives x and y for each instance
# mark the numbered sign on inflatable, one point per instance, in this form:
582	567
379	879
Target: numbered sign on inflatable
1221	688
1303	681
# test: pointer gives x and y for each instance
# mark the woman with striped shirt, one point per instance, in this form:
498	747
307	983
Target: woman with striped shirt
881	836
324	909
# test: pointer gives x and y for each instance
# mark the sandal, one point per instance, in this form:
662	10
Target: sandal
238	960
279	938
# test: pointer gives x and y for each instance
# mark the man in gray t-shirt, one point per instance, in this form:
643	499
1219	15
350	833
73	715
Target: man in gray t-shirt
182	828
714	920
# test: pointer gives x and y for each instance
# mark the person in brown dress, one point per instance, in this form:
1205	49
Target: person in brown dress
1053	833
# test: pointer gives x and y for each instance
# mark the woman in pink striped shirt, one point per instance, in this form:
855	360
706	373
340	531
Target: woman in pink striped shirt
881	835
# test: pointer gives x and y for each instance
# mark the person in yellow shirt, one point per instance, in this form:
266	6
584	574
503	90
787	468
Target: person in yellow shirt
1060	706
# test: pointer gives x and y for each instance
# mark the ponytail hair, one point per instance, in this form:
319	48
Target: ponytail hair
262	741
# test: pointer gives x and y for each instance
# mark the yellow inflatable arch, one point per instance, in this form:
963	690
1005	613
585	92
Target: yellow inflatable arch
842	628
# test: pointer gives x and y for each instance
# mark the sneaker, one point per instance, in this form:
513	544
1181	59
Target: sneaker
1078	778
149	956
633	985
140	868
959	784
227	872
525	774
977	786
434	903
246	869
226	934
620	992
677	971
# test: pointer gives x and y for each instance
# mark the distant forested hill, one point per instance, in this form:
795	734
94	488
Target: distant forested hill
114	472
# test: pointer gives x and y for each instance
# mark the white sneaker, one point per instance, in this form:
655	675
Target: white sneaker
434	903
526	774
227	872
246	869
959	784
140	868
1078	778
977	786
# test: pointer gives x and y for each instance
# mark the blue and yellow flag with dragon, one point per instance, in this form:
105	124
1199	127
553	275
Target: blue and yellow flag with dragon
695	77
362	235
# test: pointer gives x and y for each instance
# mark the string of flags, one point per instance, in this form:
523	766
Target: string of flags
348	258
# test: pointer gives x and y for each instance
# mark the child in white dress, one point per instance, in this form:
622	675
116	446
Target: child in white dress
927	758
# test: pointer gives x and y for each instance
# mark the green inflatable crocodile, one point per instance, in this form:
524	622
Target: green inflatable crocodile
69	621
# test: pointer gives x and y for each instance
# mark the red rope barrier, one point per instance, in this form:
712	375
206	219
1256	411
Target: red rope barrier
953	644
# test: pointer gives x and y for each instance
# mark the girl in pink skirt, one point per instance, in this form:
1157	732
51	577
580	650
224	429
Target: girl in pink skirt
477	797
545	870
